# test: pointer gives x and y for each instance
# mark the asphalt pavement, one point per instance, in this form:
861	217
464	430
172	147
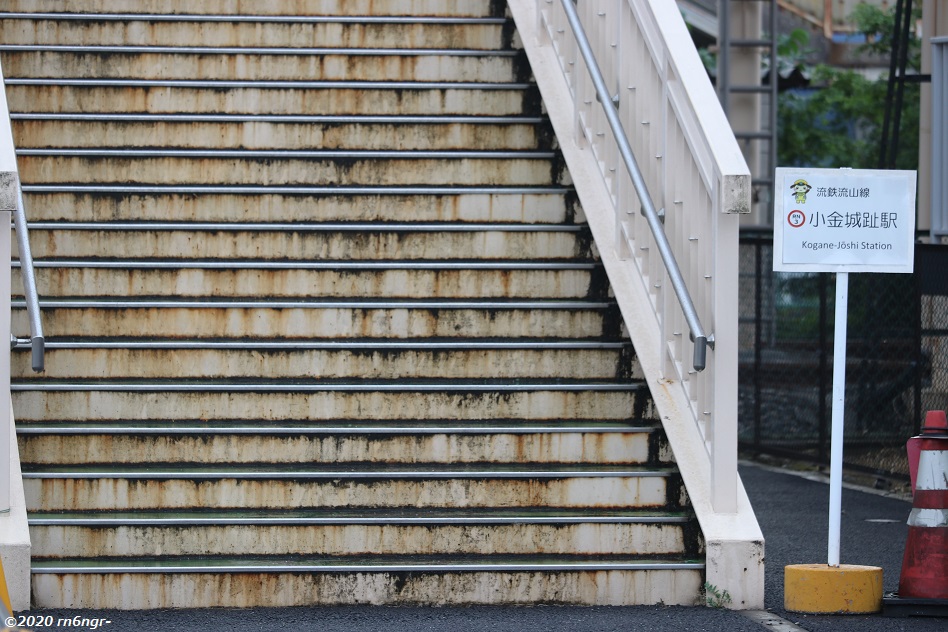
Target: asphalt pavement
793	514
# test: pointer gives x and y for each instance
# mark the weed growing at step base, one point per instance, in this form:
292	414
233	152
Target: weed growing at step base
714	597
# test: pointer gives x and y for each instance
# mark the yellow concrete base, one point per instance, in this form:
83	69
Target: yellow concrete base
822	589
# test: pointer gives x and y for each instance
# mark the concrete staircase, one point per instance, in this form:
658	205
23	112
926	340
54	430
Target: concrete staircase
324	324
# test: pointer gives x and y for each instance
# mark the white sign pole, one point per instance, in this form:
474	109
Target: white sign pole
839	407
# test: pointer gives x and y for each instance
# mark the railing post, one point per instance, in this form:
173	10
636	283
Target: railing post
6	418
724	478
9	185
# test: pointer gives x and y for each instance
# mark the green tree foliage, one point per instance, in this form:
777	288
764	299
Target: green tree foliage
839	121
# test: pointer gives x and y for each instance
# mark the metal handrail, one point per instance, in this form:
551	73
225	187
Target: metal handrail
36	339
698	336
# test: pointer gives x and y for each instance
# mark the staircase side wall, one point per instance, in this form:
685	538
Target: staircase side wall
735	544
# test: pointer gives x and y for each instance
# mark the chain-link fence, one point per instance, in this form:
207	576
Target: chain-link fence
897	358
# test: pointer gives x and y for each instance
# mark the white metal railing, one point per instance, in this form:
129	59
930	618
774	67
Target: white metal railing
686	183
610	108
694	172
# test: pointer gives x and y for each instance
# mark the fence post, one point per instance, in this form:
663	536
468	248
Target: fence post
758	335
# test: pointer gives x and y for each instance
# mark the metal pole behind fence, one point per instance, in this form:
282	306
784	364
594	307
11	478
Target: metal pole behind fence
758	338
919	356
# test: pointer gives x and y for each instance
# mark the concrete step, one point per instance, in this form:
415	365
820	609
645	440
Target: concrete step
321	400
47	445
458	580
300	31
192	131
297	98
121	487
371	213
244	63
327	318
306	279
451	359
469	8
289	168
553	205
306	242
365	516
239	533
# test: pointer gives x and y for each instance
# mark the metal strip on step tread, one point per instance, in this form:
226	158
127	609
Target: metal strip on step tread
347	119
289	154
274	84
539	344
304	227
127	190
177	518
504	471
204	429
426	304
290	386
280	19
250	50
486	567
358	266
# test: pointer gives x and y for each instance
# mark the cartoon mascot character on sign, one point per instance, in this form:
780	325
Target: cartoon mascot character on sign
800	188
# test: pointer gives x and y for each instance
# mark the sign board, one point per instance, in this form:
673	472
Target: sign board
844	220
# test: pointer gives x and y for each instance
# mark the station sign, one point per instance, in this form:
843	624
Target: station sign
844	220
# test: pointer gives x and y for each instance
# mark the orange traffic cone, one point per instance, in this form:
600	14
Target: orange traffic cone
925	565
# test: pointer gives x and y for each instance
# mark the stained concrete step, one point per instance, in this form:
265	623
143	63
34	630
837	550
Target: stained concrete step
553	205
413	8
543	531
301	279
297	98
244	63
294	31
122	487
45	445
526	580
289	168
496	438
326	400
368	359
263	132
307	241
365	516
225	441
331	318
